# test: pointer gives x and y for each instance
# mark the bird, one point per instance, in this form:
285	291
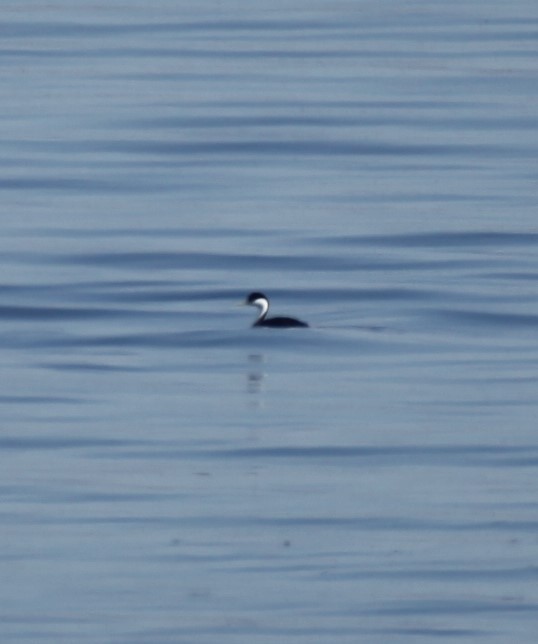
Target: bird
261	301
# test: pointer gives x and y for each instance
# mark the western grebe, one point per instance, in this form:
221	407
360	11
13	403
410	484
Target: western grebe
261	301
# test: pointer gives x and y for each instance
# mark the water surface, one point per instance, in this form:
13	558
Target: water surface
169	474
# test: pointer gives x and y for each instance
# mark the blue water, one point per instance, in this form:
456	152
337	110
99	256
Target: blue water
169	474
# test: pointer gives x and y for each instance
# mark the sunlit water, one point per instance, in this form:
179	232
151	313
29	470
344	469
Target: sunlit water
169	474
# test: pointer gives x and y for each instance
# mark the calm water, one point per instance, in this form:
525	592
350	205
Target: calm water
167	473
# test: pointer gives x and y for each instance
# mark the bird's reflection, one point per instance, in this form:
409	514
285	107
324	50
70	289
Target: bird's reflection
255	378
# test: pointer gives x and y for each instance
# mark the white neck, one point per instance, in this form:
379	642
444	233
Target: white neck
263	305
